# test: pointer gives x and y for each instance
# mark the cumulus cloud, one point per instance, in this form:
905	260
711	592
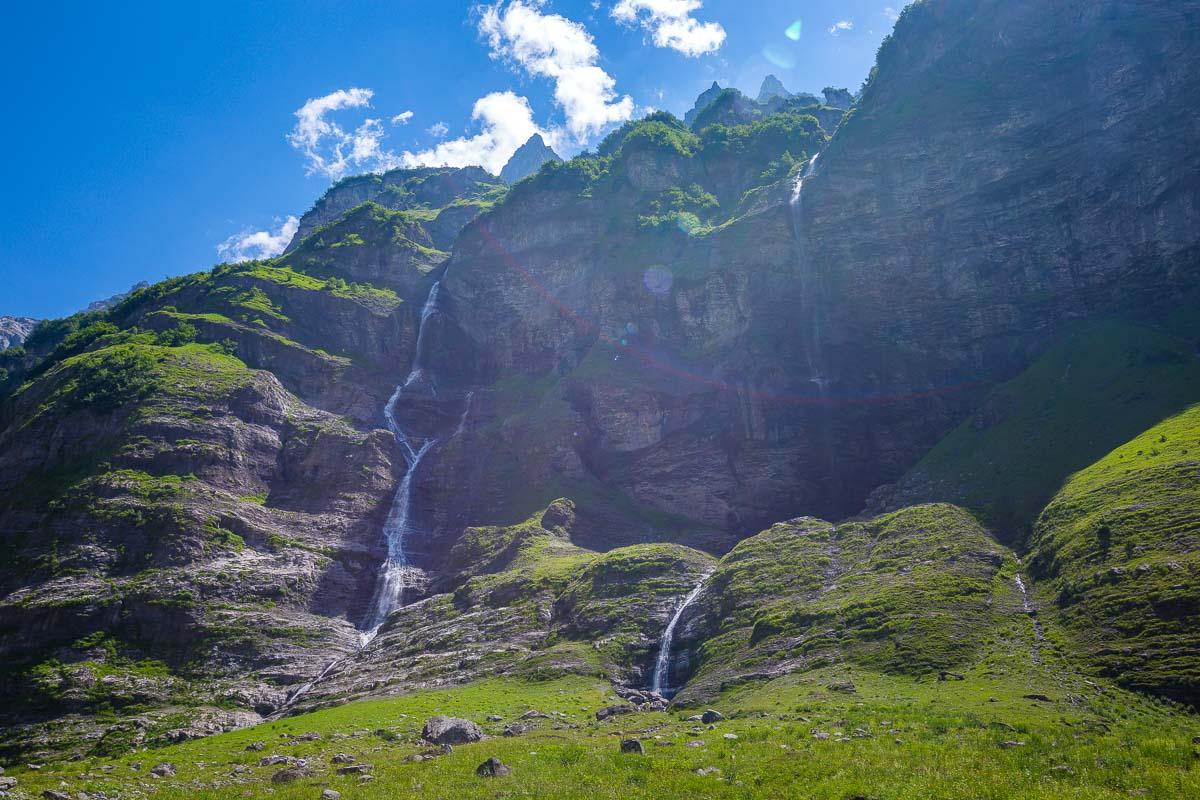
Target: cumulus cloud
507	123
438	130
403	118
330	149
552	46
843	25
672	25
258	244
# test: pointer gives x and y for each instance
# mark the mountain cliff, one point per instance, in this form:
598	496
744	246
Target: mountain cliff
679	366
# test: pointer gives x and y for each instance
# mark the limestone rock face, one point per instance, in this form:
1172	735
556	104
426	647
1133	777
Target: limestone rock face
14	330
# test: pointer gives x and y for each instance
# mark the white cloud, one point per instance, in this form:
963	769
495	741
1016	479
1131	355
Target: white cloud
891	13
403	118
843	25
330	149
672	24
507	122
258	244
552	46
438	130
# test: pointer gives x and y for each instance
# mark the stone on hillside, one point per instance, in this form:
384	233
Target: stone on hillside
1011	744
288	775
946	675
534	715
342	758
493	768
451	730
255	747
164	770
330	794
612	711
710	716
845	687
495	718
8	783
50	794
632	746
516	729
355	769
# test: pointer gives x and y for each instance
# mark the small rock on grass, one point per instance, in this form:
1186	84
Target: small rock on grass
50	794
288	775
493	768
163	770
255	747
710	716
1011	744
632	746
8	783
330	794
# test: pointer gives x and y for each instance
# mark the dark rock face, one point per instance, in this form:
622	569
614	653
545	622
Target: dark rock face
528	159
14	330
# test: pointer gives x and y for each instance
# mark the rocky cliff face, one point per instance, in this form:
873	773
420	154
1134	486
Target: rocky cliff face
14	330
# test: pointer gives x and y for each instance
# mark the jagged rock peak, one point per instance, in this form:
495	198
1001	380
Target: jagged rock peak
14	330
772	87
528	159
702	102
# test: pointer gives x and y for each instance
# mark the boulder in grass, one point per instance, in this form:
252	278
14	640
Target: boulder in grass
632	746
451	730
612	711
493	768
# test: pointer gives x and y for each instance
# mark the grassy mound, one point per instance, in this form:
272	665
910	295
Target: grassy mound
1119	548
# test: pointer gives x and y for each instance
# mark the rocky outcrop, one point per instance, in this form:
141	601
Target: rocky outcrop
528	159
702	102
14	330
772	88
112	302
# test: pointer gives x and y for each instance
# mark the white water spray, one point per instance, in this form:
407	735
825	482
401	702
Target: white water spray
663	664
398	569
814	353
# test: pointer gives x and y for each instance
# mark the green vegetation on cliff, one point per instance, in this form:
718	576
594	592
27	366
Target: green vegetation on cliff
1118	550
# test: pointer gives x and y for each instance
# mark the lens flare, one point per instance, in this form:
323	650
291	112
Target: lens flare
779	56
795	30
658	280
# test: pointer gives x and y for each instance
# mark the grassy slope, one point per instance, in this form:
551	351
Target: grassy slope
1119	547
897	738
1097	388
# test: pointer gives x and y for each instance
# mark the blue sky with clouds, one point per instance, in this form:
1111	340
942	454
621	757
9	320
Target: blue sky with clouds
149	139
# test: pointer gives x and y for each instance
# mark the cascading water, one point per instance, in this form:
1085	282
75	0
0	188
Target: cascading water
812	295
397	570
663	664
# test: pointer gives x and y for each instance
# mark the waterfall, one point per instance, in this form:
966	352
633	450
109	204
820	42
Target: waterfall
663	664
397	569
1031	611
810	302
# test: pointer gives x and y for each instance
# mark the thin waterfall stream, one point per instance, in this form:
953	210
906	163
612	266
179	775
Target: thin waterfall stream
396	573
662	665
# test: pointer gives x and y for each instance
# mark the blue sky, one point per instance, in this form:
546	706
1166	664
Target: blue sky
141	137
